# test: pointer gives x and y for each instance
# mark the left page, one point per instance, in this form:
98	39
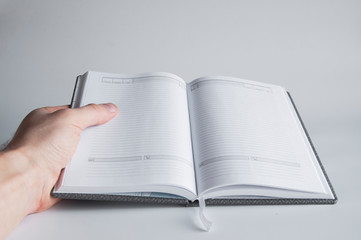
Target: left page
145	148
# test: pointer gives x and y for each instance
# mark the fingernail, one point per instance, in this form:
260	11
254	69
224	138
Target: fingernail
111	108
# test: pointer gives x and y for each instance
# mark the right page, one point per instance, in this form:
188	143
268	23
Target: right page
247	140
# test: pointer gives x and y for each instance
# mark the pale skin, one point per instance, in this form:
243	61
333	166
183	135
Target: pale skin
30	165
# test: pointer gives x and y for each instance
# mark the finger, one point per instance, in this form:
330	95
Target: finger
55	108
94	114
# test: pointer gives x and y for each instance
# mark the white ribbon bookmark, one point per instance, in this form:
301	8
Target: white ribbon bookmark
205	222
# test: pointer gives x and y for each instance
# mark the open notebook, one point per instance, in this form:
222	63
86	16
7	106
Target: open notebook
222	139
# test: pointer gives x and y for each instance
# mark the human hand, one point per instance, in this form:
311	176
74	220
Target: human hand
45	142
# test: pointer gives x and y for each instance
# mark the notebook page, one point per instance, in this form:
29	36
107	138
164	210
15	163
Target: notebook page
146	146
244	134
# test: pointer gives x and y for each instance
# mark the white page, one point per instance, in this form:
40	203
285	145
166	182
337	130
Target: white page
146	147
245	134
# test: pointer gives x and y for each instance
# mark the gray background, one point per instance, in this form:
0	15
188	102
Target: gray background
313	48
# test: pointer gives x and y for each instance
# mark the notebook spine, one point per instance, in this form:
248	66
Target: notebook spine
78	91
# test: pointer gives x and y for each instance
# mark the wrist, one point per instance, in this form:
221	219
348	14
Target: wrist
20	175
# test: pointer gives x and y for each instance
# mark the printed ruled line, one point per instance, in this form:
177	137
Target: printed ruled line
140	158
275	161
250	158
223	158
229	82
124	80
115	159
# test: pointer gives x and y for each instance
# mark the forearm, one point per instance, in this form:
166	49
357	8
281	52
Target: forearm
20	185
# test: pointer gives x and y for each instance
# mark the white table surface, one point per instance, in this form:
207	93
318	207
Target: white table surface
313	48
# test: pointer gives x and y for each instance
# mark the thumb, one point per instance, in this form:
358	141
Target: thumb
94	114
